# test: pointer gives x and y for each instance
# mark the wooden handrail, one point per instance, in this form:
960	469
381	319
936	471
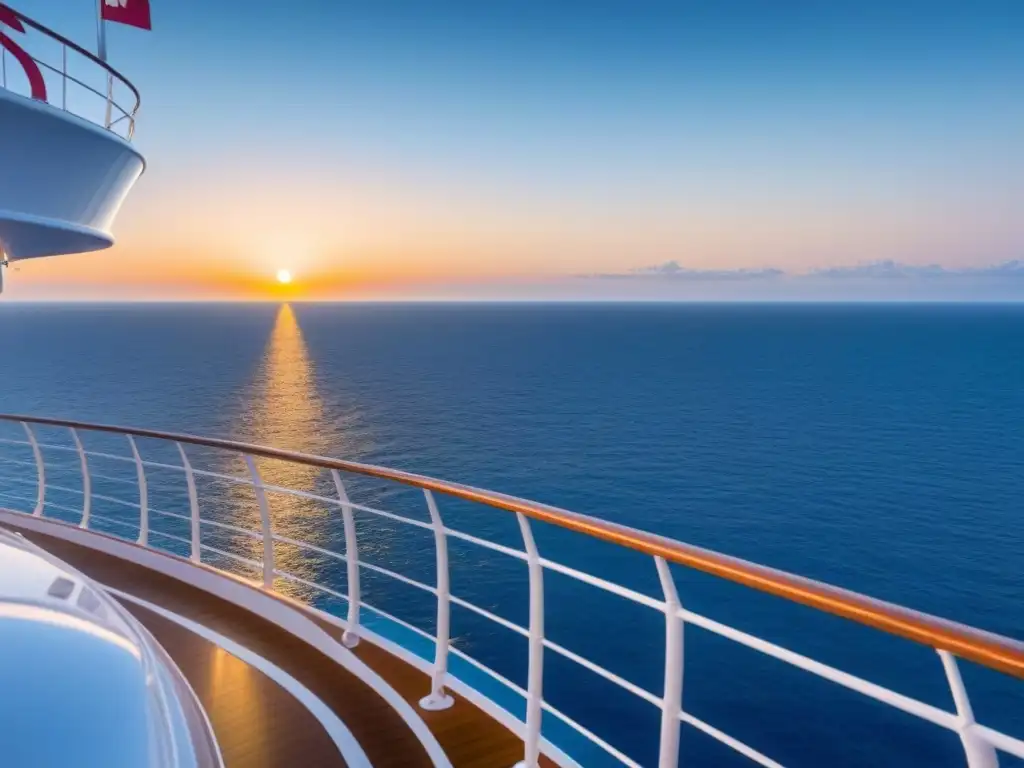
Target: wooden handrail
986	648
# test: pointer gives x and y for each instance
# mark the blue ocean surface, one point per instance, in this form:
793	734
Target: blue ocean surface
875	447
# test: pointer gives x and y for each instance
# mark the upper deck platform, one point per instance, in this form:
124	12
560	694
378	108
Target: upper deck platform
66	122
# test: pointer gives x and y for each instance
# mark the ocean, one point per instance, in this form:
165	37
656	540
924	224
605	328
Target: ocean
875	447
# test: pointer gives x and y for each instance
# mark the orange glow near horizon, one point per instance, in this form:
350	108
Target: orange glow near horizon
366	240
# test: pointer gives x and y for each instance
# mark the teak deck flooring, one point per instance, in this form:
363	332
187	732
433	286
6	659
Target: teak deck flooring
257	723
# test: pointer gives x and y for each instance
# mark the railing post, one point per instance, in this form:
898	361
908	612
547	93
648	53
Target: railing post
268	534
40	470
350	637
438	698
64	77
86	480
535	675
193	503
980	754
140	473
672	697
110	99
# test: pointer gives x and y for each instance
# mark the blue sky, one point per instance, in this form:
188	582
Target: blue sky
461	143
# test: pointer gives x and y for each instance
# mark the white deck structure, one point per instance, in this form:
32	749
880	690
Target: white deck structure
66	161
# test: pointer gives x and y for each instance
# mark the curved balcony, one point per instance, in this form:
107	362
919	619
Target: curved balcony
66	122
235	508
39	63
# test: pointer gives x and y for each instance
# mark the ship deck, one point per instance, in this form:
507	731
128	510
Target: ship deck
260	724
281	688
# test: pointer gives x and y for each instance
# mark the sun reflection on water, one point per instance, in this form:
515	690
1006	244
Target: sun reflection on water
286	411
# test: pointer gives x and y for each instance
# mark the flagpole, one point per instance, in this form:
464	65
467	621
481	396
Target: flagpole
101	51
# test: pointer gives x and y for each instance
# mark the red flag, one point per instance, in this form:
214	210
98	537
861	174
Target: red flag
134	13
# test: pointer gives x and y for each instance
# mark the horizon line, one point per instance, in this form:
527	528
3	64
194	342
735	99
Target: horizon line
947	301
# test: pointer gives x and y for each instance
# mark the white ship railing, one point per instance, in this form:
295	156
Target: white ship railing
949	639
33	57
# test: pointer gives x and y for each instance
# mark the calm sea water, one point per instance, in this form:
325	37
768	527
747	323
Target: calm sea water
875	447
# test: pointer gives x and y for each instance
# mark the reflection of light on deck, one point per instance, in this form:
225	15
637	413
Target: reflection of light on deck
235	696
286	412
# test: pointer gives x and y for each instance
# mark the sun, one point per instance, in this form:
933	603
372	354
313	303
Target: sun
284	276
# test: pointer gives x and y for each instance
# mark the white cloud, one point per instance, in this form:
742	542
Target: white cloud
673	271
874	270
895	270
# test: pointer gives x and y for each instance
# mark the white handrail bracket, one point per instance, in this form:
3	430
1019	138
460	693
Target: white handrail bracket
438	698
37	453
140	473
268	534
979	753
350	637
672	698
193	502
86	479
535	662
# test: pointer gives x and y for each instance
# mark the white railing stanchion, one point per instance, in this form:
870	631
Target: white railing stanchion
268	534
438	698
86	479
64	78
350	637
535	673
140	473
193	502
672	698
40	470
110	100
980	754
